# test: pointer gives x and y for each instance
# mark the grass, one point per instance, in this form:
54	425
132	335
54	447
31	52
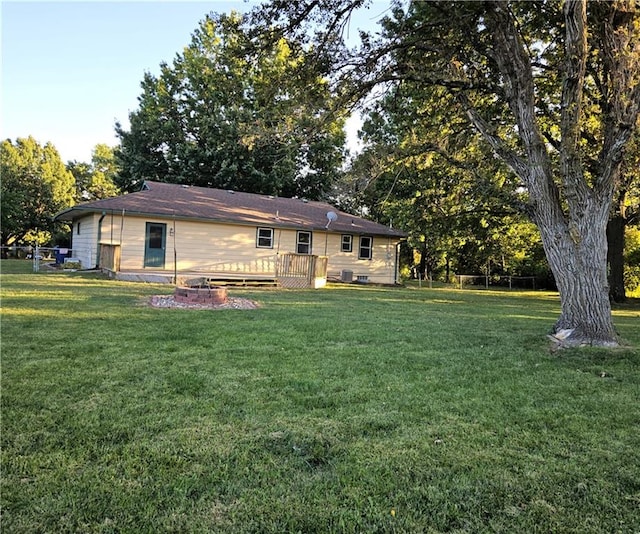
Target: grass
347	409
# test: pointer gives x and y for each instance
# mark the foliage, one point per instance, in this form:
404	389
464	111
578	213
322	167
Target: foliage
552	88
238	109
632	260
35	185
432	176
632	278
96	180
628	202
427	413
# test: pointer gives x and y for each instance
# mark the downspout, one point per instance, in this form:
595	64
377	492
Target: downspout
121	230
175	251
397	264
104	214
278	253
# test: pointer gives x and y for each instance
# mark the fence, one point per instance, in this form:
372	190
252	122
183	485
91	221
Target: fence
37	254
476	280
110	257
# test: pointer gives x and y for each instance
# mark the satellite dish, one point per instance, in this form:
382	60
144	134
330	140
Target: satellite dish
331	216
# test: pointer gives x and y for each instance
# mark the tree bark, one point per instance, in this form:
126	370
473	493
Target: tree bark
577	258
422	266
571	215
615	258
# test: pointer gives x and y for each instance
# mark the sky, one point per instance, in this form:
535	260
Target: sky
71	70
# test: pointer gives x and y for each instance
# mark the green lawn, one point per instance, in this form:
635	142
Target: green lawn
347	409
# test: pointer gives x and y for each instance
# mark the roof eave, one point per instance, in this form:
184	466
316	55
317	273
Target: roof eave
76	212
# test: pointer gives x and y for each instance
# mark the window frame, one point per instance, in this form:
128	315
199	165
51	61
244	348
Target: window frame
299	243
348	243
259	237
361	247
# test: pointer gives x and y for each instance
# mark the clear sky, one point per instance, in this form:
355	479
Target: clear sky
71	69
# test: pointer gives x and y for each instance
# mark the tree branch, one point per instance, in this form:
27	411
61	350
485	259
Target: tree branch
621	56
515	162
514	65
576	190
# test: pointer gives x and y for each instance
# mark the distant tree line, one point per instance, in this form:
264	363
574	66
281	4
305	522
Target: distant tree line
35	185
494	135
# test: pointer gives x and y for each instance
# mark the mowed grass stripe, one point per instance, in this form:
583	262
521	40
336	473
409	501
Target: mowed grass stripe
348	409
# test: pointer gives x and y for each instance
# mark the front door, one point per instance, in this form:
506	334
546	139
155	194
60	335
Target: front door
154	245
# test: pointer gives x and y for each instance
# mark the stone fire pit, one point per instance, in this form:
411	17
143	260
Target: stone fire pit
209	296
197	294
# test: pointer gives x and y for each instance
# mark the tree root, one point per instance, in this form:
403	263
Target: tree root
569	338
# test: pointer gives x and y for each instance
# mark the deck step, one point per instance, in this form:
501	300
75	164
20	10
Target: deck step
242	282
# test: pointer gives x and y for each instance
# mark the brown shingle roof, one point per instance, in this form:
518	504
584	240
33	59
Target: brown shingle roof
201	203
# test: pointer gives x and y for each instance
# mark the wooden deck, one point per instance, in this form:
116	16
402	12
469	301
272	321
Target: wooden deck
217	279
291	271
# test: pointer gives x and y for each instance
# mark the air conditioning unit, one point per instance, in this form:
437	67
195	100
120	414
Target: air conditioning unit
346	276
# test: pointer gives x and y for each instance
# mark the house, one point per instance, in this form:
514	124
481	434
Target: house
176	231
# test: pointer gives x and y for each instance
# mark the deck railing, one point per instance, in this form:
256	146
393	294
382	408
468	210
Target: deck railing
301	270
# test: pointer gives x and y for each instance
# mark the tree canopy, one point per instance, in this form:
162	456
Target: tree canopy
35	185
96	180
553	88
425	170
237	109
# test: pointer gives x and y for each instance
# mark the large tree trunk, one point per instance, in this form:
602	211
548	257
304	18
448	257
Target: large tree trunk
571	212
577	257
422	266
615	258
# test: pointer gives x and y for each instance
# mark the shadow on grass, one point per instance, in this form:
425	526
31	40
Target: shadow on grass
321	411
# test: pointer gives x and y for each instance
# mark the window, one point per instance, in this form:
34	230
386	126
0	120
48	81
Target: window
303	243
366	248
264	239
155	233
347	243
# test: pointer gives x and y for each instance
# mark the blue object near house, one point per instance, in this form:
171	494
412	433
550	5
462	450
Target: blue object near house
61	254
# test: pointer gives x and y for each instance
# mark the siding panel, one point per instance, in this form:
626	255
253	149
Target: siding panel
84	245
231	248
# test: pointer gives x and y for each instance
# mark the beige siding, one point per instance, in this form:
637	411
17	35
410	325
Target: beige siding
379	269
83	244
231	248
198	246
221	248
